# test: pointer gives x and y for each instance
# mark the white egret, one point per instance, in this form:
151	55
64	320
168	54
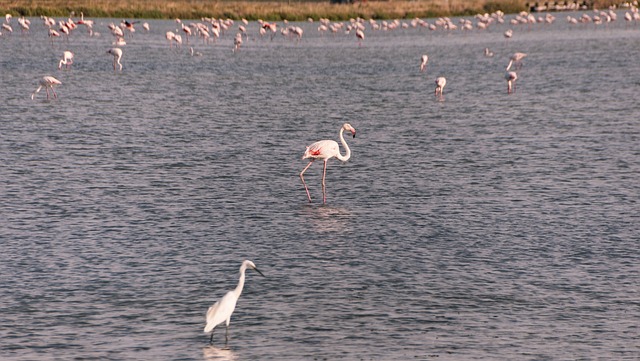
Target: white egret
222	310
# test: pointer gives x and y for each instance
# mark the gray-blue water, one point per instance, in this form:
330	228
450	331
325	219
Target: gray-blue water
479	226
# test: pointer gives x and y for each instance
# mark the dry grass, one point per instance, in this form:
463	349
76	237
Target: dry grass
253	10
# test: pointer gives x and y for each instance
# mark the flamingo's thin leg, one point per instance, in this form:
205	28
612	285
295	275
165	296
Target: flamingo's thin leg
303	182
324	175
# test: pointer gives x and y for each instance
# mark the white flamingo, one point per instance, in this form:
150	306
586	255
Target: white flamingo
325	150
67	59
423	63
222	310
440	83
47	82
508	34
117	55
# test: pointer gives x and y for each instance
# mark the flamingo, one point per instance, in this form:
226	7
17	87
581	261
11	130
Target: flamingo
508	34
516	59
488	53
170	35
325	150
423	64
440	83
47	82
237	41
511	78
53	34
222	310
117	55
67	59
360	36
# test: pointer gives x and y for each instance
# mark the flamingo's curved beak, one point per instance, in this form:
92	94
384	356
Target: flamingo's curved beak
353	132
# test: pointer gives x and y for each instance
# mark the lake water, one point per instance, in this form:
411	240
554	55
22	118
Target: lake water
478	226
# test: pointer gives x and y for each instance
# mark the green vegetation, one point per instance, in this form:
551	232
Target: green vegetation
266	10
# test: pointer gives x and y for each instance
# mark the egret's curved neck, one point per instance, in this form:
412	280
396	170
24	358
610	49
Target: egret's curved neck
346	147
240	285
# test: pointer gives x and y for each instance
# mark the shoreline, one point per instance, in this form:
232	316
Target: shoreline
275	11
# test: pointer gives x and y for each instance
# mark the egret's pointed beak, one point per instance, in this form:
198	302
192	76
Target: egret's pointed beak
257	270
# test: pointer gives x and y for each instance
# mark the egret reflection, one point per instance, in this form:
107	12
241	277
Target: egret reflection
215	353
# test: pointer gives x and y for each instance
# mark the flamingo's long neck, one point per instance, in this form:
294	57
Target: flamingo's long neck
240	285
510	63
346	147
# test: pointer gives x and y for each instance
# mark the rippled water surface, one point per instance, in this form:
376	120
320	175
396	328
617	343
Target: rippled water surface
478	226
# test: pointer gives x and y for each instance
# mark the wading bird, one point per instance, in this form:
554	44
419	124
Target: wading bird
325	150
360	36
222	310
516	59
47	82
511	77
117	55
440	83
67	59
423	63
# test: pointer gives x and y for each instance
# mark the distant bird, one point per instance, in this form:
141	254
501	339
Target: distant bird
440	83
511	78
508	34
47	82
170	36
145	26
423	63
237	41
53	34
117	55
516	59
325	150
488	53
360	36
67	59
222	310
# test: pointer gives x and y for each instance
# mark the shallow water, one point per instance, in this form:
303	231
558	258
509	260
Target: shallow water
478	226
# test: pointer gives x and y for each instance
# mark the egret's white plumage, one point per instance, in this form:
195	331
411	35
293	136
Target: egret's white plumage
326	149
222	310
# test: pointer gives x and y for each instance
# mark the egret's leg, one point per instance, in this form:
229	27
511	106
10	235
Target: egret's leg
226	335
211	338
324	189
303	182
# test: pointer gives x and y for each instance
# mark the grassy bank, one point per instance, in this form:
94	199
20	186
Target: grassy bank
253	10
